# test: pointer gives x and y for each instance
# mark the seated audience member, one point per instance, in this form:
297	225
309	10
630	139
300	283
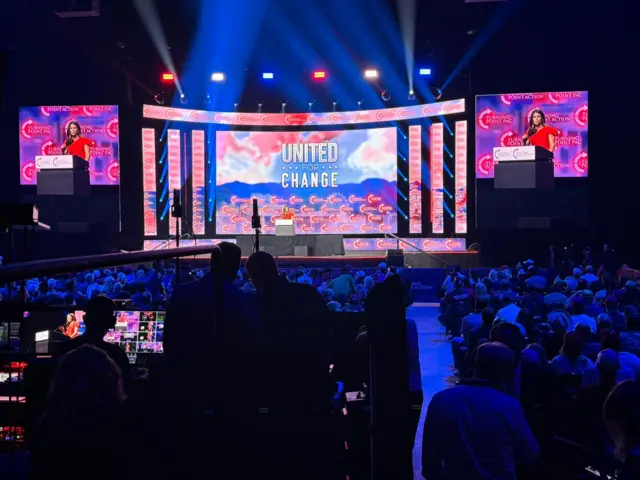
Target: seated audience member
536	380
353	305
456	305
629	295
509	311
590	275
99	318
85	415
610	339
617	317
578	315
478	336
604	322
572	282
475	430
590	347
533	301
622	418
535	280
597	383
459	344
571	361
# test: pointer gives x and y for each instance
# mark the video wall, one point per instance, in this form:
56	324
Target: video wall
331	181
43	132
502	120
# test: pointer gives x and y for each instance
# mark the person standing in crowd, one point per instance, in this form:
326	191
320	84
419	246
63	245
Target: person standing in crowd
475	430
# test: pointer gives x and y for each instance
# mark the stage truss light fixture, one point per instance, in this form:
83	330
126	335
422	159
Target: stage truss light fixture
437	94
425	71
385	95
371	74
207	98
267	76
360	102
311	105
412	95
319	75
335	106
183	98
283	106
217	77
260	105
235	106
168	77
159	98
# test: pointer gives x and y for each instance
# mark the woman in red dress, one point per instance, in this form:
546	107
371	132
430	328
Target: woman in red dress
287	214
540	134
76	144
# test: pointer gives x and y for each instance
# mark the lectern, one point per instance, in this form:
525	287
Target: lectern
285	227
62	175
522	167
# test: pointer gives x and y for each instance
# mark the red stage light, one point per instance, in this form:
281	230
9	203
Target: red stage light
168	77
319	75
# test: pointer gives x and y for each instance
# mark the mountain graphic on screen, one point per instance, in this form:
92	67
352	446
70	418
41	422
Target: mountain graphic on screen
387	190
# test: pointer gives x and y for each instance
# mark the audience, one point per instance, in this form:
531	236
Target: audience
265	335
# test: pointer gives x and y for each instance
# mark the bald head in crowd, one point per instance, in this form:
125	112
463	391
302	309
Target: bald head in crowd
495	363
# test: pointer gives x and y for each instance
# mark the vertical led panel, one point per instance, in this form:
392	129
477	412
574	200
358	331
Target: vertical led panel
149	186
415	179
437	178
460	178
173	165
198	182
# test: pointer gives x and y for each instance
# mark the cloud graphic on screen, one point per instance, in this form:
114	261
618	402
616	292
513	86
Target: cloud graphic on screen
376	157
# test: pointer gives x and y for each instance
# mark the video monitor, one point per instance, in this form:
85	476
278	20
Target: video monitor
328	182
135	332
44	131
138	332
502	121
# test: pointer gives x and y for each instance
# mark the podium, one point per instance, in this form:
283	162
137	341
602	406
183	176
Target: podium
62	175
523	167
285	228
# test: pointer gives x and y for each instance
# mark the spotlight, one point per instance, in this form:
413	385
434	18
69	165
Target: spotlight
386	96
159	98
207	98
168	77
319	75
335	106
183	98
311	106
360	102
437	94
235	106
425	71
267	76
370	74
260	105
283	107
412	95
217	77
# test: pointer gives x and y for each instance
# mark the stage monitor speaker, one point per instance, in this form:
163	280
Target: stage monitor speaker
301	251
395	258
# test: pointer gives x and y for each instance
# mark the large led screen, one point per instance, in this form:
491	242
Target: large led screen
43	131
502	120
331	182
